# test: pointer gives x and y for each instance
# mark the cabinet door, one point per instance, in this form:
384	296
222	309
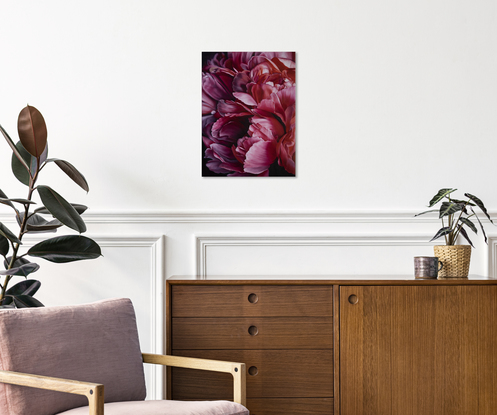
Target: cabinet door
415	350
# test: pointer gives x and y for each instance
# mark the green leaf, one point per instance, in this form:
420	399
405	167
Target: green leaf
38	224
72	172
61	209
481	226
469	224
440	195
21	267
480	204
79	208
4	245
463	232
442	232
14	148
27	287
464	202
44	155
32	130
67	248
17	263
21	201
22	270
4	231
26	301
428	211
18	168
3	196
7	302
449	208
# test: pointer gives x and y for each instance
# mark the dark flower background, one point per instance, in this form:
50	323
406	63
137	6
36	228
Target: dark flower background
248	113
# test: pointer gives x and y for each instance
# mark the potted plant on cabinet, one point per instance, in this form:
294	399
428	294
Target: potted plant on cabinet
456	216
28	159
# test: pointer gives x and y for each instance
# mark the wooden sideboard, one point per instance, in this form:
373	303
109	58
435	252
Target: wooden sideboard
347	346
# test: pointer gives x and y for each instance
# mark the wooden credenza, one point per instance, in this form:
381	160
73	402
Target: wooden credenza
347	346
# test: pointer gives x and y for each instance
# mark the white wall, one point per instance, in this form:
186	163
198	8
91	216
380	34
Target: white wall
396	99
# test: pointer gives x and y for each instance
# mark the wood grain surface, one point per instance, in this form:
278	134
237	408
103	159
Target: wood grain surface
290	406
251	301
280	374
418	350
253	333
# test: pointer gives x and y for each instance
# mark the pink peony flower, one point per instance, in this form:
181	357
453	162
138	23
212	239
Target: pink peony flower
248	113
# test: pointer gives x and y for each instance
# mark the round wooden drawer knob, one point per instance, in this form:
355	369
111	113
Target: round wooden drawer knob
252	371
253	298
353	299
253	330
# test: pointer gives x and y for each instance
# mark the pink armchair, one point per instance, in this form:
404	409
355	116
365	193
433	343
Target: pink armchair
81	349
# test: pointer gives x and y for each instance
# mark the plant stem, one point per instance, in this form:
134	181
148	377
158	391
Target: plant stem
445	236
458	219
15	247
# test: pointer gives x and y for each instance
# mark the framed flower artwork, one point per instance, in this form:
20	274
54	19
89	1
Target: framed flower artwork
248	114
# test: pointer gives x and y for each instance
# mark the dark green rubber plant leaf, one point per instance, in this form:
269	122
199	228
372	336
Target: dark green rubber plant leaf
72	172
4	245
61	209
6	232
79	208
440	195
38	224
480	204
7	302
21	201
26	301
32	130
442	232
22	270
3	196
18	262
18	168
448	208
66	248
14	148
27	287
469	224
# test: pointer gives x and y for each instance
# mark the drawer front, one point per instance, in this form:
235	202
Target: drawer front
253	333
290	406
270	373
251	301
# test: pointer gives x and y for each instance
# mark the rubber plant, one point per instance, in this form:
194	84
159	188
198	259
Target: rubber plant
456	215
29	158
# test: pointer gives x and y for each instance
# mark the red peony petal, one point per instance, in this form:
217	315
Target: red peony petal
245	98
259	157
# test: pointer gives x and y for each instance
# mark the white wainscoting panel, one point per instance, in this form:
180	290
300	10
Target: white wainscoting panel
309	255
132	267
492	256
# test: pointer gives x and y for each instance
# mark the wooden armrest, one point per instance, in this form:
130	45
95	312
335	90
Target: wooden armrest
93	391
236	369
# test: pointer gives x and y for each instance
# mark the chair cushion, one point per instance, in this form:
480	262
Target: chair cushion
95	342
167	408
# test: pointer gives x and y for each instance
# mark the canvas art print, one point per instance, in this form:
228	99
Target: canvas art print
248	114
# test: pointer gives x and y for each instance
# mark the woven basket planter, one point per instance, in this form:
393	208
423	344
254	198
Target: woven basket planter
455	260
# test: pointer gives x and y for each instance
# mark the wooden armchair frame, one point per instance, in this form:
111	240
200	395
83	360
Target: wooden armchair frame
95	392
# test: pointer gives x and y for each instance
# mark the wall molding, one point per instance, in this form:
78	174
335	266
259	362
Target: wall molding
492	256
157	276
203	242
349	216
